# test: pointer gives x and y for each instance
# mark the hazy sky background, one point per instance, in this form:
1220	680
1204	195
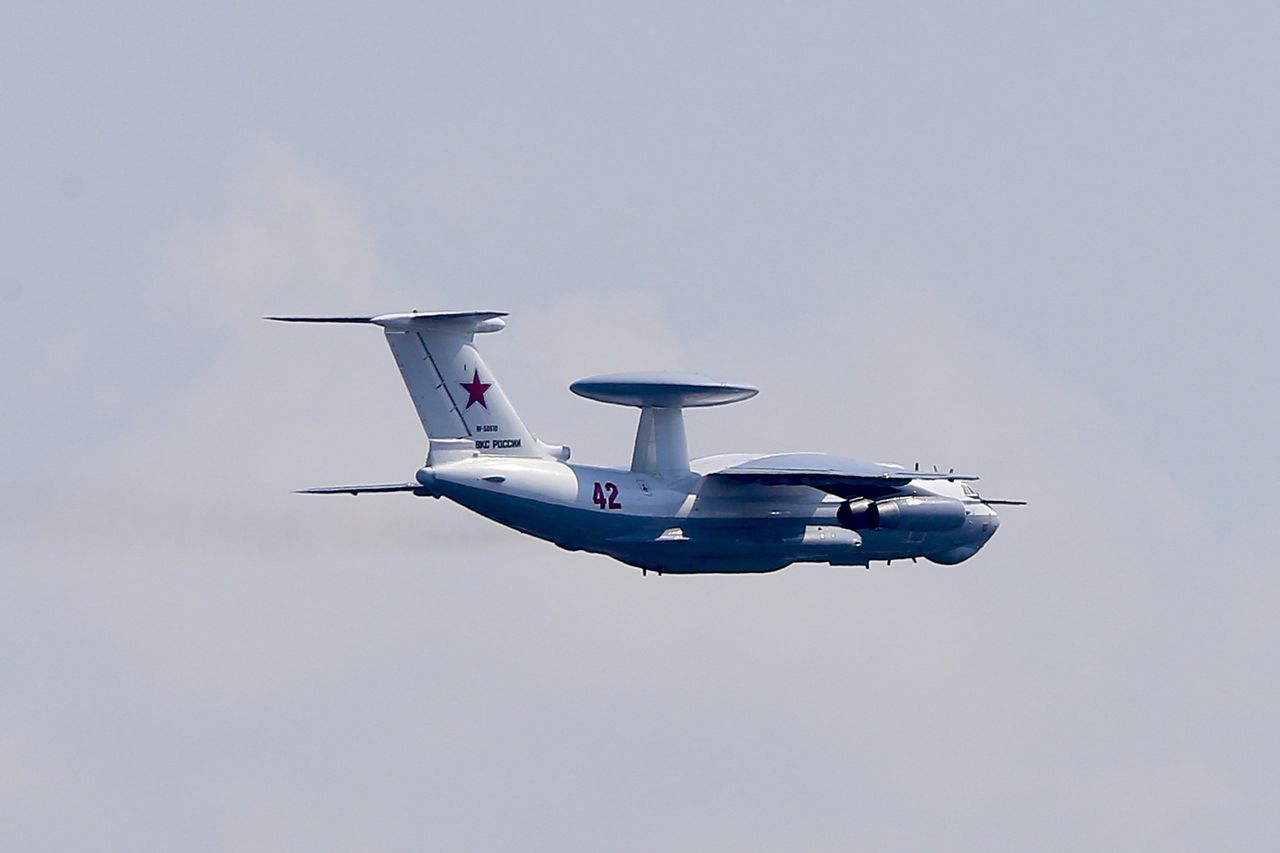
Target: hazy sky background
1040	243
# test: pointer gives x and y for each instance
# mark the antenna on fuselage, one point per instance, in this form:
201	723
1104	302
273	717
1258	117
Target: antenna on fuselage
661	447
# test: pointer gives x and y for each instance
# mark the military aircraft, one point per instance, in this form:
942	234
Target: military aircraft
728	513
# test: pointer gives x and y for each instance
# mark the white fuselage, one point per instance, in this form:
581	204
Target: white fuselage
728	513
691	523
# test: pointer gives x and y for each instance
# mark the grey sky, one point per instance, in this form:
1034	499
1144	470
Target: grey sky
1037	243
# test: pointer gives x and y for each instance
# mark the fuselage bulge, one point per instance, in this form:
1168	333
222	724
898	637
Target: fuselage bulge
729	513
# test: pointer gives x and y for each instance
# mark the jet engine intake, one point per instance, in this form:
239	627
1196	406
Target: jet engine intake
920	513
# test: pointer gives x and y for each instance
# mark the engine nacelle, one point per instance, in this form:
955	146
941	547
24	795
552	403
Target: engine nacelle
928	513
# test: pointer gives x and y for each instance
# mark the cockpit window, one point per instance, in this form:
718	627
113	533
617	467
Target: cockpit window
968	490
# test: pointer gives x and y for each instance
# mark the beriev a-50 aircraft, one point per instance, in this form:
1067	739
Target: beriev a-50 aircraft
727	513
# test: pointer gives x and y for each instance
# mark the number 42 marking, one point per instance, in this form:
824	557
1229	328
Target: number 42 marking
599	499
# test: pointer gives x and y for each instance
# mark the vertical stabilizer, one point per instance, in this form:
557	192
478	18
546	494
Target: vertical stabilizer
462	406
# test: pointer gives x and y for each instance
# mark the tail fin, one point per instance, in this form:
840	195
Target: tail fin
461	405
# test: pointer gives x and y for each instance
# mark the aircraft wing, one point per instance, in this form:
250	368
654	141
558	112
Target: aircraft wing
358	490
833	474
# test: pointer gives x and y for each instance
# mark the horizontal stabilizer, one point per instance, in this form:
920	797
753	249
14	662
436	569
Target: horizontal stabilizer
358	490
474	321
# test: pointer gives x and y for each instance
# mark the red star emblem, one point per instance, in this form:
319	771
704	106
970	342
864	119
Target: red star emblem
475	390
